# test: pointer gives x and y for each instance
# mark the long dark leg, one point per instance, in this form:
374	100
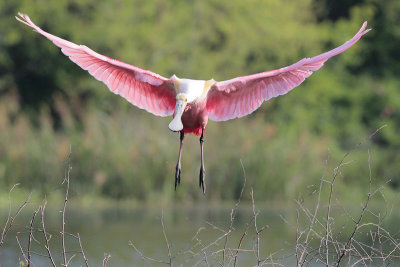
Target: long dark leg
202	170
178	164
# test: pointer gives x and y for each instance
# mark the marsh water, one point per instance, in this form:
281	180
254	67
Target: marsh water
190	230
109	230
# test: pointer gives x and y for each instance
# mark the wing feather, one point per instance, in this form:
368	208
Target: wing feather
246	93
142	88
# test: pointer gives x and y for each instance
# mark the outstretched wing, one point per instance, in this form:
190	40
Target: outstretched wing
142	88
240	96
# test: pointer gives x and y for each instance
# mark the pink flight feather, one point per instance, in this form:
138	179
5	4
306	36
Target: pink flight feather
142	88
240	96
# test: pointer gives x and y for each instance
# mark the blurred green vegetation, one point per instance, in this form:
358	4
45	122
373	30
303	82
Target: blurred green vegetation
48	104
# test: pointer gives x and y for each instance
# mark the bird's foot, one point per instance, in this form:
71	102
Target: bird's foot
202	185
177	175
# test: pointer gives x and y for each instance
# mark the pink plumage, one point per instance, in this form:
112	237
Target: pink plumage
240	96
191	102
143	88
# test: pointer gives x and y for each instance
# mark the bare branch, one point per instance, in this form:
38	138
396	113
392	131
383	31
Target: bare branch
70	259
233	212
165	237
301	259
107	257
145	258
83	253
10	219
346	246
258	231
336	172
20	247
46	237
67	180
30	236
205	259
241	240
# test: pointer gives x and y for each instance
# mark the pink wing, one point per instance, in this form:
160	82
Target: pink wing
240	96
142	88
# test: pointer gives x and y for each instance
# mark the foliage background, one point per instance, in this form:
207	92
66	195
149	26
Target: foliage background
48	104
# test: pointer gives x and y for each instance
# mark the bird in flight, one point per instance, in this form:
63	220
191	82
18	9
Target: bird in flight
191	102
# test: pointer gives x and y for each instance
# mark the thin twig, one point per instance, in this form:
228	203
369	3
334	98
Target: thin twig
233	212
145	257
314	216
241	240
346	246
166	239
30	236
205	259
20	247
10	219
82	251
107	257
298	235
328	218
380	242
66	179
258	231
215	242
70	259
196	237
336	172
46	237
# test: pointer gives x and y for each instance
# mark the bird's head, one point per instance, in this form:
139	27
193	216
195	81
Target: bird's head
181	102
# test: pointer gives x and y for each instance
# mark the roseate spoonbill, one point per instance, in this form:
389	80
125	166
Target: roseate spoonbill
191	102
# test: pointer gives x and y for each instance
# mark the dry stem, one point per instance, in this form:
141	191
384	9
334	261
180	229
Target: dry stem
46	236
66	179
10	219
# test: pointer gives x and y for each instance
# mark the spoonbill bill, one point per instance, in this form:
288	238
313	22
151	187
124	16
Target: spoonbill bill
191	102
